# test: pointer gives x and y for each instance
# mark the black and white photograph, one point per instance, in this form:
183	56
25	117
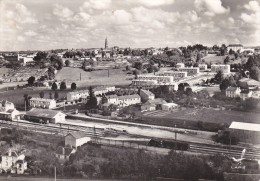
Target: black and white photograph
130	90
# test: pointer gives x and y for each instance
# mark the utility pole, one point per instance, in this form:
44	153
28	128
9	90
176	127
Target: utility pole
175	146
80	76
108	73
24	105
55	173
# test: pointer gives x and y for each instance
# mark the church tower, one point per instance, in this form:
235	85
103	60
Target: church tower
106	43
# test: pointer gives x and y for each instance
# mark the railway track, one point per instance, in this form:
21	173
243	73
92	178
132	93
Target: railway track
63	129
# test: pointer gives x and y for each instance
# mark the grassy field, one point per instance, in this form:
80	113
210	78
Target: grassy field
98	77
212	58
3	71
209	115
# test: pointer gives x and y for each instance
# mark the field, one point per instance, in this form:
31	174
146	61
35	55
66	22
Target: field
212	58
207	115
3	71
98	77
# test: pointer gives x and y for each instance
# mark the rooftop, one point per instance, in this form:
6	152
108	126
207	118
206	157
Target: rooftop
245	126
134	96
77	134
46	113
232	88
235	45
147	92
41	99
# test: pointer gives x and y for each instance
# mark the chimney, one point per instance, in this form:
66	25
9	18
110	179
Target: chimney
63	151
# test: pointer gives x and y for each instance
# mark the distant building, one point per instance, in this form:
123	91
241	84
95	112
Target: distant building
159	79
220	67
63	153
26	59
246	132
148	107
103	90
175	74
142	82
82	94
180	65
14	161
42	103
248	83
169	106
190	70
203	67
158	102
146	95
245	94
234	47
124	100
233	92
75	139
45	115
11	58
8	111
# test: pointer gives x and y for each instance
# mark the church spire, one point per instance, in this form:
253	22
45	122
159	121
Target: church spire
106	43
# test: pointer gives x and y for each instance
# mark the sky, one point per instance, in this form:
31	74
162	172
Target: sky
53	24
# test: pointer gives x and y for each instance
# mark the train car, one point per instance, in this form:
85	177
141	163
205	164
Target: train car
170	144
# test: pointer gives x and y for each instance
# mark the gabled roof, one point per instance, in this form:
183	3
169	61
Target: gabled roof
112	97
232	88
147	92
245	126
249	81
128	97
41	99
157	101
46	113
77	134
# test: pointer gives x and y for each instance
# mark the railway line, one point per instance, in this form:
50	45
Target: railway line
64	128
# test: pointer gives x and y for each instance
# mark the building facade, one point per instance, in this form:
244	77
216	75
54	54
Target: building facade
190	70
159	79
175	74
42	103
219	67
146	95
76	139
233	92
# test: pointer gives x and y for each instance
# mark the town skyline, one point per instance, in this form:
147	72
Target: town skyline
41	25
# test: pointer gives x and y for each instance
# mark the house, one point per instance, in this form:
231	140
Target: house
180	65
220	67
45	116
203	67
75	139
63	153
112	99
175	74
247	83
142	82
233	92
14	161
82	94
128	100
246	132
234	47
146	95
158	102
8	111
102	90
245	94
148	107
42	103
162	79
169	106
190	70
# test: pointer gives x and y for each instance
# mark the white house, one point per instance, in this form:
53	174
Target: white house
71	96
233	92
42	103
180	65
203	67
45	115
175	74
190	70
169	106
128	100
148	107
112	99
163	79
75	139
146	95
8	111
14	161
234	47
220	67
142	82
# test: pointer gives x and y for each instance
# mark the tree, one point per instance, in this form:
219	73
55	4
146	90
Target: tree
67	63
51	72
92	101
127	68
56	95
224	84
40	56
50	95
57	62
219	77
138	65
54	86
226	60
41	94
73	86
63	86
255	73
31	80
